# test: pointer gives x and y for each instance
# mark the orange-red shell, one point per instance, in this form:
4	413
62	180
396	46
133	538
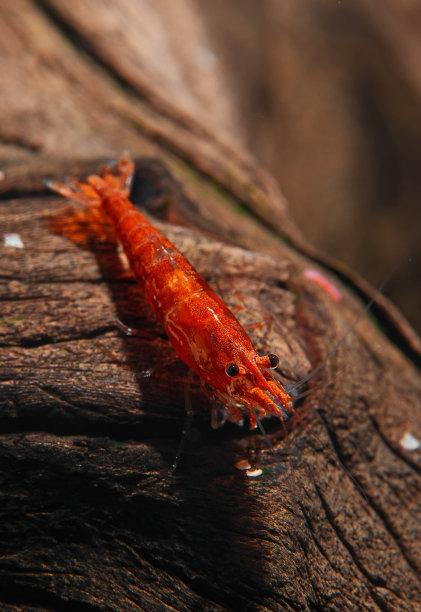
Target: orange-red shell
201	328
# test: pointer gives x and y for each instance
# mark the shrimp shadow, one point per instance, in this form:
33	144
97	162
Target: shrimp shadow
207	524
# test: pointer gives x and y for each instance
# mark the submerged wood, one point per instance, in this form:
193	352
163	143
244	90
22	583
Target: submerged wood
91	516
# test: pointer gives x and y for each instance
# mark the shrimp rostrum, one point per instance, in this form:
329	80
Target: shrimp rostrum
203	331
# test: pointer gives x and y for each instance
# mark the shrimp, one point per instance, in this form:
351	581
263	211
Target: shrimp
201	328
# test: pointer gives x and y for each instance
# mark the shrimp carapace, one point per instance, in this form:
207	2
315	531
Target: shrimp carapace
201	328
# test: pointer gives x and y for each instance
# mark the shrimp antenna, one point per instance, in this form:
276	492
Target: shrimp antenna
187	423
262	429
293	389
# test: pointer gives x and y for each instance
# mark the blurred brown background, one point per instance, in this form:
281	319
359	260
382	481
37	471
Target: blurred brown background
329	98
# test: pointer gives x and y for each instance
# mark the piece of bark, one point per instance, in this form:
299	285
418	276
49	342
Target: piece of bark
91	420
91	516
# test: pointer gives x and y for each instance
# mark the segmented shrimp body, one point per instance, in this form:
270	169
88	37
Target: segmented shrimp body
202	330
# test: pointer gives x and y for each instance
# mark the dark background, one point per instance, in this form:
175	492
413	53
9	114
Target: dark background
329	98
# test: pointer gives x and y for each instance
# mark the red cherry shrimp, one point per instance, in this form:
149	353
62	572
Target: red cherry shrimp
203	331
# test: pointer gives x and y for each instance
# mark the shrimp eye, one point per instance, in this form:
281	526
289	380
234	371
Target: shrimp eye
232	369
273	360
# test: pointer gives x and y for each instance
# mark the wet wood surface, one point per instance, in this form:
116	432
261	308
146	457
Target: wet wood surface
91	516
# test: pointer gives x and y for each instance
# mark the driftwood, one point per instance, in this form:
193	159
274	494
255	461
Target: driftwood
91	516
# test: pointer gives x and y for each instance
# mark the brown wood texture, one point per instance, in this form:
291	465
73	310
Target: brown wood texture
90	420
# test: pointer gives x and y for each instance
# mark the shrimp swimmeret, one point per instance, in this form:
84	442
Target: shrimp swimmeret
203	331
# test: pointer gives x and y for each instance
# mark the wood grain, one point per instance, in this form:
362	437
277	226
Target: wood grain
91	516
